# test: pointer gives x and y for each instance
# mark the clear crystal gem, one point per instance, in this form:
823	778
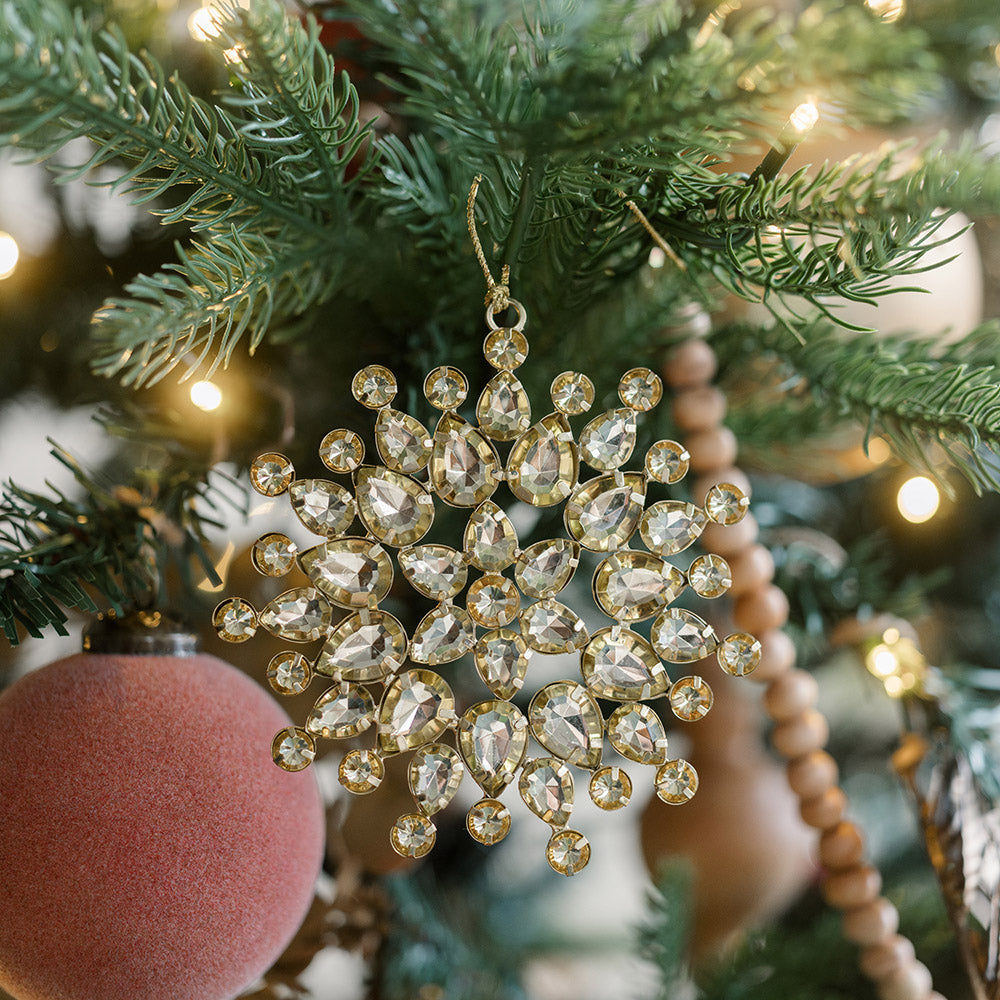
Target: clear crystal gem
621	665
490	539
396	509
325	508
546	785
667	461
271	473
493	736
637	732
568	852
608	440
545	568
235	620
444	634
726	504
543	465
690	698
352	572
374	386
293	749
566	720
676	782
738	654
709	576
446	388
572	393
463	464
289	673
503	410
436	571
342	711
402	441
505	348
551	627
670	526
273	554
631	586
435	773
493	601
363	647
342	450
680	636
299	615
610	788
413	835
361	771
488	821
603	513
640	389
417	707
502	660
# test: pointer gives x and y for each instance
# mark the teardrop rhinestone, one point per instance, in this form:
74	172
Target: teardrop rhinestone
546	785
566	721
680	636
709	576
444	634
676	782
543	465
417	707
607	441
545	568
631	586
403	443
436	571
551	627
299	615
352	572
366	646
621	665
637	733
603	513
342	711
502	660
490	539
493	601
396	509
503	410
434	774
325	508
464	466
670	526
493	736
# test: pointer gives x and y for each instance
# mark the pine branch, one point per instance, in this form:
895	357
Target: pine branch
664	937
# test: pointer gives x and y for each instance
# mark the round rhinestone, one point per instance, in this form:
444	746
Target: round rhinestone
709	576
289	673
568	852
640	389
667	462
374	386
726	504
342	450
273	554
361	771
739	654
235	620
446	388
488	821
676	782
610	788
271	473
413	835
293	749
493	601
690	698
572	393
505	348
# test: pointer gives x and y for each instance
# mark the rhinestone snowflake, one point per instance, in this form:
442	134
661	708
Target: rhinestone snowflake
383	678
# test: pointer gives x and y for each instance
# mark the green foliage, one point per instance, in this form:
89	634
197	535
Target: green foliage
665	936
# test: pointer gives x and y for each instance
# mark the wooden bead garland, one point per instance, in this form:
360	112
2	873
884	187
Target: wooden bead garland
801	731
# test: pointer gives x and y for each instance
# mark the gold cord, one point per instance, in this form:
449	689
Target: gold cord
497	295
660	241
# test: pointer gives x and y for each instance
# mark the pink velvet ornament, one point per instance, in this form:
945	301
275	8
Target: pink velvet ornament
149	847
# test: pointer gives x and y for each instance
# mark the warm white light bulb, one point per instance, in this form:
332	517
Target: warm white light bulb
804	117
888	10
9	254
202	24
918	499
206	396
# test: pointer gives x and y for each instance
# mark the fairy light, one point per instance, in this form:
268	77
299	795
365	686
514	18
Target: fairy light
888	10
206	396
9	254
918	499
235	55
804	117
897	662
800	121
657	258
202	24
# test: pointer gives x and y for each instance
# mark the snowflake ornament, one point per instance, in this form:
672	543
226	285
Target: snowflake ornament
383	678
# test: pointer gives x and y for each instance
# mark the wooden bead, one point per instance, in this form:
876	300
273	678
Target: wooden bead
699	408
812	774
842	846
728	540
691	364
909	982
790	695
825	810
730	474
877	961
777	655
801	735
871	923
761	610
715	448
852	888
751	569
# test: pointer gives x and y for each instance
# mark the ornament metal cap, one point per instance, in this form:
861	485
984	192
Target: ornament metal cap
140	633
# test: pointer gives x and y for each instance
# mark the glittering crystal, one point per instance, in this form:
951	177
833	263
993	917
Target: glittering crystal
709	576
543	465
670	526
568	852
488	821
273	554
631	585
726	504
270	474
566	720
374	386
361	771
503	410
325	508
493	601
342	711
417	707
738	654
676	782
505	348
235	620
546	785
299	615
397	510
446	388
403	442
352	572
667	461
545	568
365	646
464	466
690	698
502	660
621	665
436	571
434	774
551	627
680	636
637	732
293	749
289	673
492	736
610	788
640	389
413	835
444	634
490	539
608	440
603	513
572	393
342	450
